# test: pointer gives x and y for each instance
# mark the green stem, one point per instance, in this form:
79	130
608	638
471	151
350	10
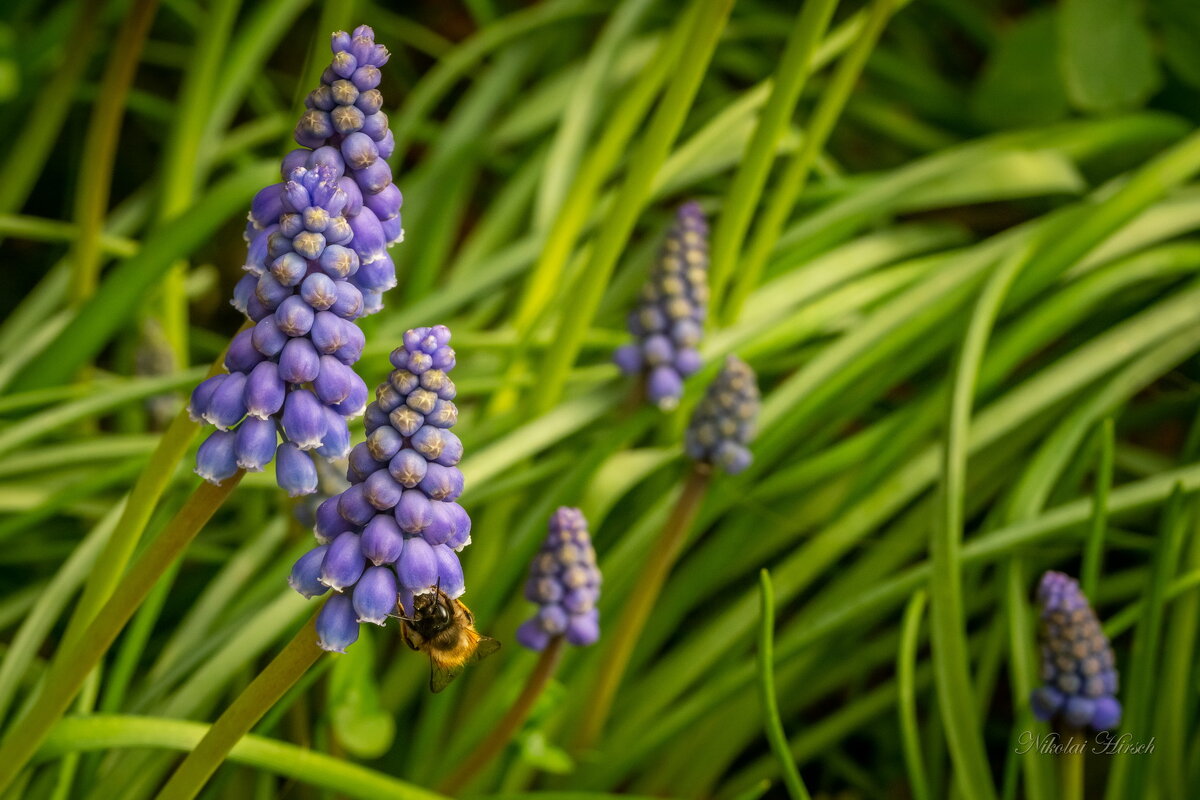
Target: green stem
100	147
637	610
776	736
783	197
1093	553
951	660
249	707
741	201
500	735
1072	766
906	684
76	660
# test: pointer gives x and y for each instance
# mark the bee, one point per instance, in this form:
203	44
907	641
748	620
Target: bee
444	628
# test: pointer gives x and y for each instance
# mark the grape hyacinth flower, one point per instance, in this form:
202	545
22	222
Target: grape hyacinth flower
317	261
723	423
1078	666
345	114
565	583
396	531
669	319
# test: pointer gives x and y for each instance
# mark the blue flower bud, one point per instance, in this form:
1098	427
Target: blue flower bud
442	482
226	407
270	292
303	420
462	527
216	459
382	540
353	506
386	202
266	206
361	463
450	573
408	467
355	402
344	562
417	567
381	490
376	276
264	391
375	595
349	352
202	396
383	443
369	101
268	338
336	442
294	470
413	511
375	126
329	522
334	382
319	291
294	317
337	624
305	576
349	301
343	92
255	443
328	332
369	241
299	361
359	150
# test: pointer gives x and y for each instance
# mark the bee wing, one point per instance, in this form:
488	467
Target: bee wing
487	646
440	676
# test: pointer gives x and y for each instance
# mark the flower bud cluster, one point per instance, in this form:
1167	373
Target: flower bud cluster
723	423
1078	668
345	114
316	262
396	531
669	319
565	583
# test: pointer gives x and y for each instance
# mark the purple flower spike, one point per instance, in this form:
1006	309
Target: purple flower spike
564	581
398	520
306	238
1078	666
669	317
723	423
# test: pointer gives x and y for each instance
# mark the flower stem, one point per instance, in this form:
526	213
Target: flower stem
646	590
249	707
1072	766
500	736
72	665
776	736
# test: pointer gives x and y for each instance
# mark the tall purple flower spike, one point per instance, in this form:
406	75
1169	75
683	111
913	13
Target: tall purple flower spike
669	319
345	114
317	261
564	581
1078	667
722	426
397	530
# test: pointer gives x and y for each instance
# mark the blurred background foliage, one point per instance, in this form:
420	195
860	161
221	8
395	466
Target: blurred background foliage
537	151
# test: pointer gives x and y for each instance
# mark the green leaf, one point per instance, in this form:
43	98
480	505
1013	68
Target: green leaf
1020	83
360	723
1180	23
1107	58
537	751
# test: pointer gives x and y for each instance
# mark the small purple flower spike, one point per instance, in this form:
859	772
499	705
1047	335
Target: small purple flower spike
723	423
316	261
396	531
669	319
565	583
1078	666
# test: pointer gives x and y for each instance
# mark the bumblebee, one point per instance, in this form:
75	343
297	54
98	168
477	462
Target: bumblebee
444	628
